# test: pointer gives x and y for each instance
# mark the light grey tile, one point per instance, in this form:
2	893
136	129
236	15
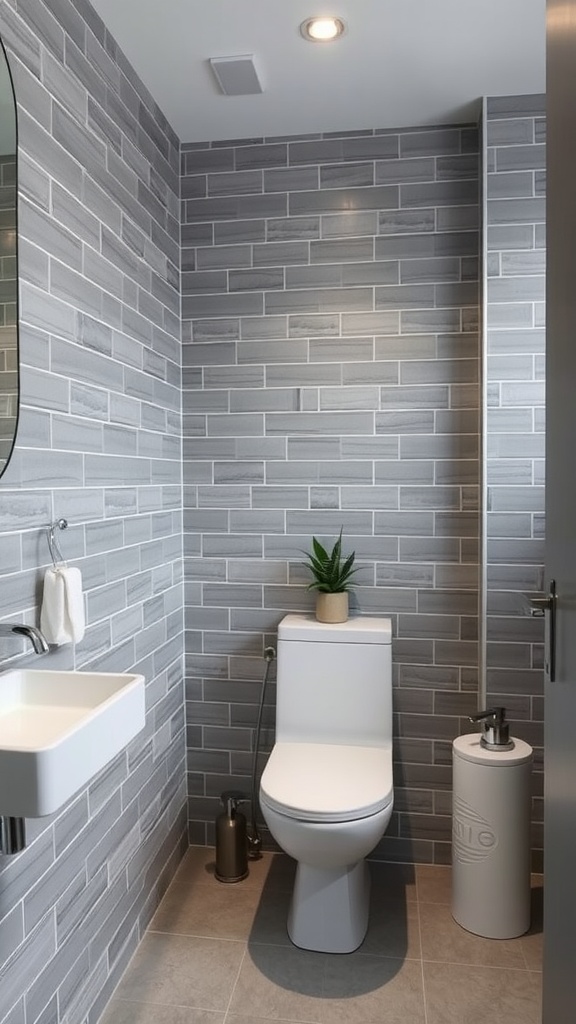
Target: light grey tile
317	300
335	423
350	397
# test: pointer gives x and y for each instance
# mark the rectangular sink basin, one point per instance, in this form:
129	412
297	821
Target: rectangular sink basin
57	730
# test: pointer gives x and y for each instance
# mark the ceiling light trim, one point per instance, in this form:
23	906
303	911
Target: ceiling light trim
322	25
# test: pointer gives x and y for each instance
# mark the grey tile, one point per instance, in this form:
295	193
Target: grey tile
226	208
518	157
256	279
290	179
232	232
348	225
453	989
221	304
160	973
346	175
280	253
395	222
277	982
121	1011
516	211
292	228
410	169
512	185
439	193
336	200
319	423
430	141
271	155
342	250
234	183
365	987
317	300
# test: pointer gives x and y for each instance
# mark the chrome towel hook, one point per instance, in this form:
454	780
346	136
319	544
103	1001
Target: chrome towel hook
55	552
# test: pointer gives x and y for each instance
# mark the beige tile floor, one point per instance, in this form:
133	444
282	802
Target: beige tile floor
219	954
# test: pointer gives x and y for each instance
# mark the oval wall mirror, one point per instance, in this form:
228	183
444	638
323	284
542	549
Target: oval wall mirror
8	266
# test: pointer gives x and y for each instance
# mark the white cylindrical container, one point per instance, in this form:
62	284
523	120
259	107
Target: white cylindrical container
491	838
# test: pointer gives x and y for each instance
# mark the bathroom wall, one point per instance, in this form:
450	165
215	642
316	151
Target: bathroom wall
330	328
99	443
516	191
8	293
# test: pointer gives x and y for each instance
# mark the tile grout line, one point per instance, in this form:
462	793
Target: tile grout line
421	950
240	965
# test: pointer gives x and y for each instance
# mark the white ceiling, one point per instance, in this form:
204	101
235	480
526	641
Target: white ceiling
401	63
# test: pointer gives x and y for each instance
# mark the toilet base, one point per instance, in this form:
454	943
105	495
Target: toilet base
330	907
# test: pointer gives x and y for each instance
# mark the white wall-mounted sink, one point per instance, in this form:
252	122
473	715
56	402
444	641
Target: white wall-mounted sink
57	729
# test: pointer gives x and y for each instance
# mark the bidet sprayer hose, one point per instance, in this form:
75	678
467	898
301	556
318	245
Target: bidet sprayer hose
254	837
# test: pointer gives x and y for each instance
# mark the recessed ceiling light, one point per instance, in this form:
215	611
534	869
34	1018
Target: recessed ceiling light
322	30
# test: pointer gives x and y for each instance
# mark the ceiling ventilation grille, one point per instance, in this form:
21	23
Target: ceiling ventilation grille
236	76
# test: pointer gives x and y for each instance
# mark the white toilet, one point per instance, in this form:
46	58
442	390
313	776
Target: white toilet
326	793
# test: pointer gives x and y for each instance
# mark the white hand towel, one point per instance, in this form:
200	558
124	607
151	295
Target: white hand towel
62	616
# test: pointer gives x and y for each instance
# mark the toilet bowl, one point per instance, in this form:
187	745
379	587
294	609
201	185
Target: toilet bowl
326	793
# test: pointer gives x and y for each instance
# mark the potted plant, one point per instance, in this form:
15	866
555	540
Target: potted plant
332	573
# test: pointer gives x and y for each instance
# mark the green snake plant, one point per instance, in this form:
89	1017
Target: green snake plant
332	572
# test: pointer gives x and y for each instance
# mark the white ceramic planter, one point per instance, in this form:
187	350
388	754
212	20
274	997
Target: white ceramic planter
332	607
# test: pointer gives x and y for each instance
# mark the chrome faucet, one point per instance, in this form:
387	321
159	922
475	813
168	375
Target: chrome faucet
36	638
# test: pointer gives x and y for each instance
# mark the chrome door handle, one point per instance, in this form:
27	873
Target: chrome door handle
539	607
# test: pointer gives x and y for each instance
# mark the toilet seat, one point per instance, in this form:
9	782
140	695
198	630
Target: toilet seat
324	782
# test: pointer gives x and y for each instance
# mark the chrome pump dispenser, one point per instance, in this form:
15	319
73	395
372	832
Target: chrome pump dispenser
495	729
231	839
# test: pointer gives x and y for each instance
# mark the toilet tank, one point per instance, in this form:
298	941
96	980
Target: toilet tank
334	681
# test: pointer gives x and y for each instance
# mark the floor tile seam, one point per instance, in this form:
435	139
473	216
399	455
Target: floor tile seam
390	956
434	903
176	1006
422	979
523	951
468	963
194	935
356	952
233	988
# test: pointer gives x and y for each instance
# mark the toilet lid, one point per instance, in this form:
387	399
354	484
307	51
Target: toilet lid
327	782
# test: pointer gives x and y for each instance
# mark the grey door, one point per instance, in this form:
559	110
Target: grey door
560	696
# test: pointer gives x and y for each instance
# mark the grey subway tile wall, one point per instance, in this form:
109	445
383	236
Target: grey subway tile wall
515	154
331	378
99	442
8	302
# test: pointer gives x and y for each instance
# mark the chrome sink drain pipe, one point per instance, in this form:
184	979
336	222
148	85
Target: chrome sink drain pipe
12	835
